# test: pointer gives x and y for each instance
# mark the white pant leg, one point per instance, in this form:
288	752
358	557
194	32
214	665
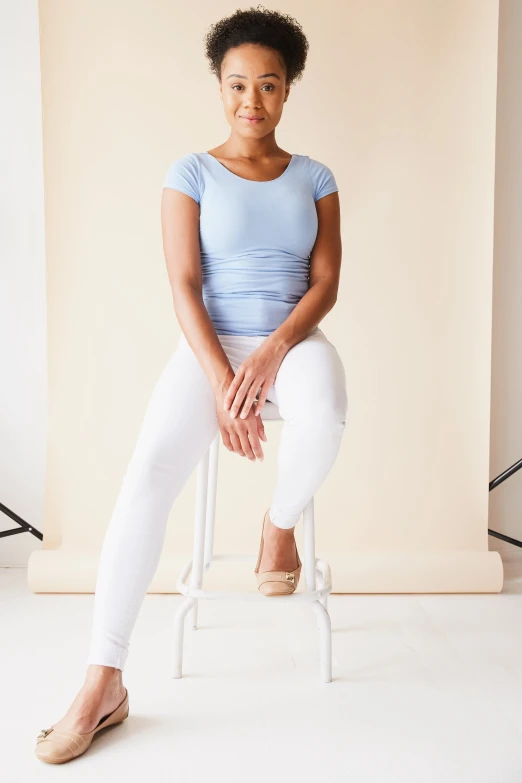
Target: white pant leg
179	425
310	391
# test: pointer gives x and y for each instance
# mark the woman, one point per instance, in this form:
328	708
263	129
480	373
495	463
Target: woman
252	244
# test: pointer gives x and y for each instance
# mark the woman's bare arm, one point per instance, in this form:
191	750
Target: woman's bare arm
180	230
325	271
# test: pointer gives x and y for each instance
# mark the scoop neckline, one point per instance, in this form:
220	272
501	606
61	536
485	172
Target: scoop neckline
253	181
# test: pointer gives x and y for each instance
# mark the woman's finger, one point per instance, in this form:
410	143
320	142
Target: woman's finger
245	443
261	428
249	401
236	443
226	440
231	393
262	397
240	396
253	437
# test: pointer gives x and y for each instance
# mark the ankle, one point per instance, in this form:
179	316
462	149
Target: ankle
281	533
102	675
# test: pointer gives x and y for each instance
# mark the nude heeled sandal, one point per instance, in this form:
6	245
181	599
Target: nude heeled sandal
276	582
56	747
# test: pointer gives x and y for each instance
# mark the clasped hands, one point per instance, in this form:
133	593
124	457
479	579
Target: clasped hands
241	432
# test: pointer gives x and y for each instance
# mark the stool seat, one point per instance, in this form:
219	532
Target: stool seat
317	575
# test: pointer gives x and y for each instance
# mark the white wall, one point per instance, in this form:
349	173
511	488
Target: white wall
505	507
23	355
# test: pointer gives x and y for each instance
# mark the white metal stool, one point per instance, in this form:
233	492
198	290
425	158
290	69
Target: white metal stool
203	556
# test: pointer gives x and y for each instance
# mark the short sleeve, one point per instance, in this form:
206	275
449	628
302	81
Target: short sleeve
323	180
183	175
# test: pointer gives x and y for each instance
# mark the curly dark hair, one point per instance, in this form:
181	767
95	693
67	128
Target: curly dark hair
272	29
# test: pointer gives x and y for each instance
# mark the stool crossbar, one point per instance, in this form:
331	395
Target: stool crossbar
317	576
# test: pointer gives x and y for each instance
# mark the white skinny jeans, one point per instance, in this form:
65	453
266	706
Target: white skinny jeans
180	424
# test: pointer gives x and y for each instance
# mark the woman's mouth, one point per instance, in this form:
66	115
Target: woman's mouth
252	119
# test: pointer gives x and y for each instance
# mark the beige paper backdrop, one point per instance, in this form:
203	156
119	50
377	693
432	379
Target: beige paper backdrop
398	98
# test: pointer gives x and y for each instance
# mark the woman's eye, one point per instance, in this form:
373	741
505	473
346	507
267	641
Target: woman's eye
266	85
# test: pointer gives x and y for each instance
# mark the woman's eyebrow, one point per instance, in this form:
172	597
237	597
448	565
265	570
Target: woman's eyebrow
263	76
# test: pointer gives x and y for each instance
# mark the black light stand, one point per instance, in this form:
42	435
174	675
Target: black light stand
26	528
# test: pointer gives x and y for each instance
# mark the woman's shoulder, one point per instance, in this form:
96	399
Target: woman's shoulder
184	174
323	179
188	162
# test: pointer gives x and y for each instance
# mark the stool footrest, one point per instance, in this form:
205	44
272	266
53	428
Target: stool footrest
194	592
307	595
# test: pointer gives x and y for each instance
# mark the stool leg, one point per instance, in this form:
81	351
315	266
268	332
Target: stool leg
179	624
323	618
309	545
196	574
325	641
194	616
210	515
211	499
324	602
320	585
196	566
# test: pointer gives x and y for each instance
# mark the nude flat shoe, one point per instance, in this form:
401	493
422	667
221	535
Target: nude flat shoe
276	582
55	747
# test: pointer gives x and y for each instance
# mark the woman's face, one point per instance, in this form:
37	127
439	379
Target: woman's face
253	84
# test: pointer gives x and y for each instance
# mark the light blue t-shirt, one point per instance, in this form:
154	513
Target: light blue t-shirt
255	238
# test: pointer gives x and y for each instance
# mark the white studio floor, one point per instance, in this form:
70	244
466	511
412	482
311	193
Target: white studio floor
426	688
